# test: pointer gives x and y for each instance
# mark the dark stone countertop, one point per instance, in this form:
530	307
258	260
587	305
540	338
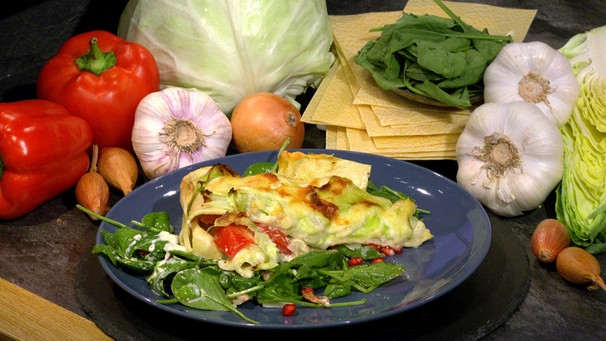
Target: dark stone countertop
41	251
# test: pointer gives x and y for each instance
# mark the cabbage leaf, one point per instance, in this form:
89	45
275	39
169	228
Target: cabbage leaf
232	48
581	195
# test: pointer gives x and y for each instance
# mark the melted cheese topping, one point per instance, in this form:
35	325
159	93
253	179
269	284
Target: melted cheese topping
320	212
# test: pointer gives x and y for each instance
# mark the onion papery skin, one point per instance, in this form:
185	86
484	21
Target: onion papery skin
540	147
157	153
264	121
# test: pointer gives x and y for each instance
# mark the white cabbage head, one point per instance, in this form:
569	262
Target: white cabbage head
232	48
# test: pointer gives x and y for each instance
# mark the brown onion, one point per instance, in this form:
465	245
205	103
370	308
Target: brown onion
548	239
578	266
263	121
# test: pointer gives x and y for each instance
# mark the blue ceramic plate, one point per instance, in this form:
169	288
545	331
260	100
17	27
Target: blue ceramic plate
459	223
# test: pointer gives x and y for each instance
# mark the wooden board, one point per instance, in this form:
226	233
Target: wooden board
26	316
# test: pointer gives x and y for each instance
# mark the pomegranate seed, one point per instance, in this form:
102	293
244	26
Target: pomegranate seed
307	290
355	261
289	309
387	251
377	260
375	246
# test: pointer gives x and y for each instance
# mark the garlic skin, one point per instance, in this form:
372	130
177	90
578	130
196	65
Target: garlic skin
510	157
536	73
176	127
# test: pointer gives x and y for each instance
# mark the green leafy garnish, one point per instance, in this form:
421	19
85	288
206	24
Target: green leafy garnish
265	167
439	58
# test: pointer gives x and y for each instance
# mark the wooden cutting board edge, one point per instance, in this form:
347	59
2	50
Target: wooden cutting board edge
26	316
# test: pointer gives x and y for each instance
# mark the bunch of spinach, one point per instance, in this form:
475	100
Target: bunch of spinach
183	277
439	58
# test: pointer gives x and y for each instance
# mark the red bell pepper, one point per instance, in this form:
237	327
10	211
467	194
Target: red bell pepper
102	78
43	152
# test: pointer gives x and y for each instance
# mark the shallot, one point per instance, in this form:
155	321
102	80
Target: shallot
578	266
548	239
119	168
91	190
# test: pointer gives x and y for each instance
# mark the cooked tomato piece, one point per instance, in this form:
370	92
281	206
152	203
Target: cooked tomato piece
232	238
278	237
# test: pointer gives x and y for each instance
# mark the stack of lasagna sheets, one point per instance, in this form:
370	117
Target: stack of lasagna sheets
359	116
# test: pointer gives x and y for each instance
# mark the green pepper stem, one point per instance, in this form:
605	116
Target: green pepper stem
96	61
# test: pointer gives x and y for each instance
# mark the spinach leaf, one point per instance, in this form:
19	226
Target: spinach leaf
200	289
138	266
164	271
280	289
473	72
265	166
259	168
370	276
126	238
364	278
458	98
337	289
155	222
108	251
445	58
365	252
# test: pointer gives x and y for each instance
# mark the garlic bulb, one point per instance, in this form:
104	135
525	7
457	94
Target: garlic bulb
176	127
536	73
510	157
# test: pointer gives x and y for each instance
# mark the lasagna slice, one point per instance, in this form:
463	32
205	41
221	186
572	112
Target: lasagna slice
317	212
